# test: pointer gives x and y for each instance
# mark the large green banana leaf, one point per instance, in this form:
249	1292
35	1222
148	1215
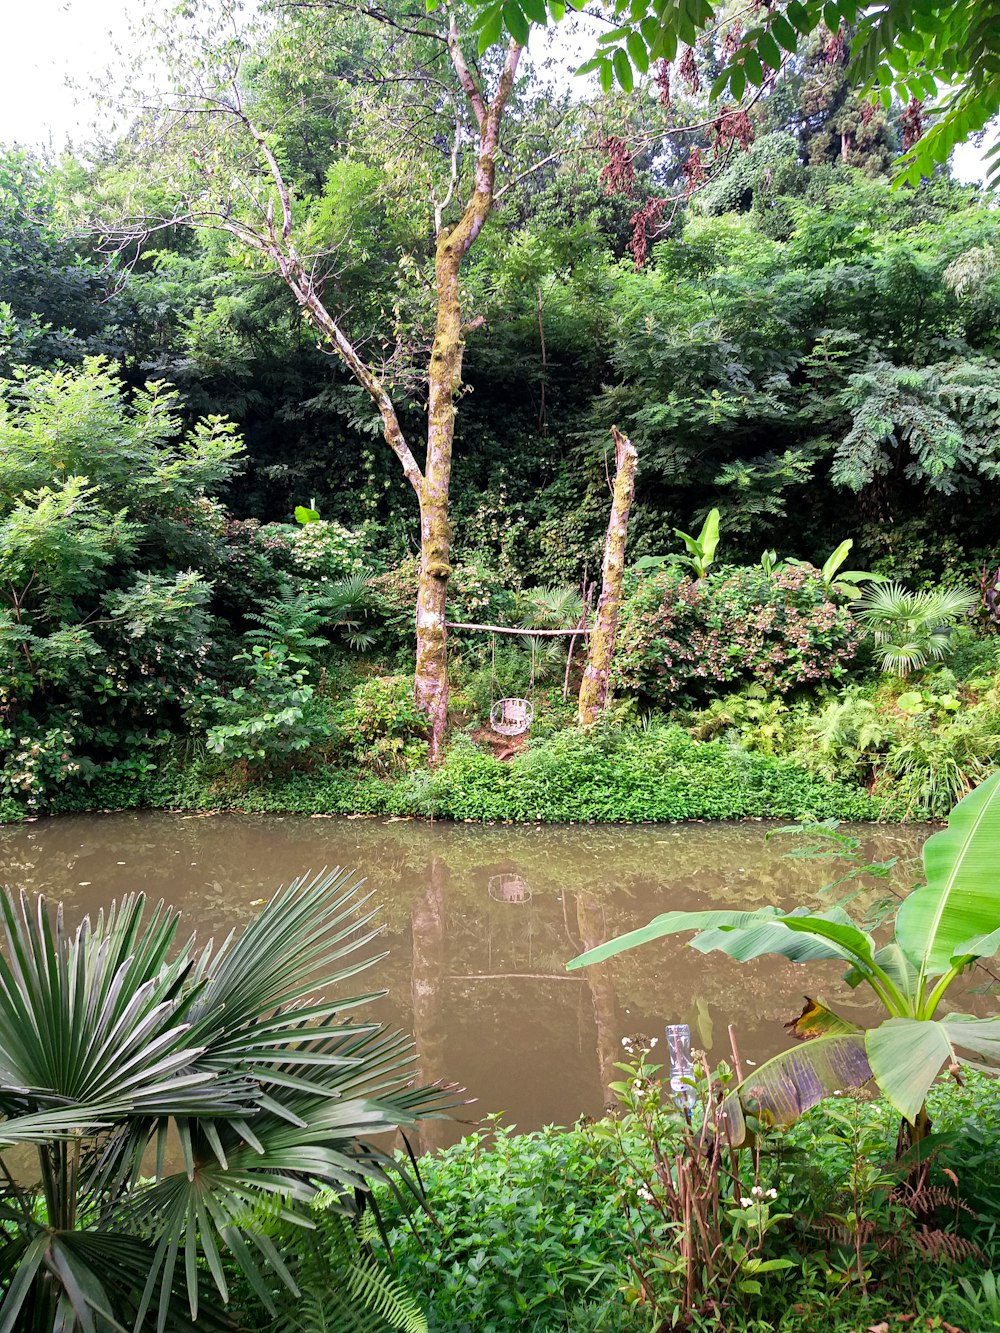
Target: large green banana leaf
799	936
907	1054
957	913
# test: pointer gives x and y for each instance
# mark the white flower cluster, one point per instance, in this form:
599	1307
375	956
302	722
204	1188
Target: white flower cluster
757	1193
328	549
640	1044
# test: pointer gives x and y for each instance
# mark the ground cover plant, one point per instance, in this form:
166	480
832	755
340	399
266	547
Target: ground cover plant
574	1229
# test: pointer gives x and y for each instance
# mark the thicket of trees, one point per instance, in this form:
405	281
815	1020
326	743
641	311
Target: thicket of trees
350	227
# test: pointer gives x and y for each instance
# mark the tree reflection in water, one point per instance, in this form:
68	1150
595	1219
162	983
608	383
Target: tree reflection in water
479	923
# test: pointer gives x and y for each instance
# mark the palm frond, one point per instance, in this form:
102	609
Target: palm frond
235	1060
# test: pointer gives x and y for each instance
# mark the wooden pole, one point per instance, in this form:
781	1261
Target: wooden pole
597	676
506	629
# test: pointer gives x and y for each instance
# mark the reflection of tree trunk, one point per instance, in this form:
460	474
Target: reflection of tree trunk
427	980
599	978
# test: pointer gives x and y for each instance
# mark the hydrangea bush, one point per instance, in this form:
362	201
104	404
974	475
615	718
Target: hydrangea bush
683	640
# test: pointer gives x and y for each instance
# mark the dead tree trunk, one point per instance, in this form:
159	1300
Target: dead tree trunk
596	677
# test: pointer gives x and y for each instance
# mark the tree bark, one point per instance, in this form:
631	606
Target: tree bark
432	485
596	678
444	381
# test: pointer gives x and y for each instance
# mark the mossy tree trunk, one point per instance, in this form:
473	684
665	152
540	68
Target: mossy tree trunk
444	382
594	688
273	236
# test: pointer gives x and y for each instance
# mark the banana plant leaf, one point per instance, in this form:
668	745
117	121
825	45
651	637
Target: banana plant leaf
816	1020
798	936
907	1054
789	1084
957	913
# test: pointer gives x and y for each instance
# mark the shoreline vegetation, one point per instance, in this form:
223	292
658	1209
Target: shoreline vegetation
659	775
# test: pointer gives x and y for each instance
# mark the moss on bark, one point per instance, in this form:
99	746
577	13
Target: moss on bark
594	687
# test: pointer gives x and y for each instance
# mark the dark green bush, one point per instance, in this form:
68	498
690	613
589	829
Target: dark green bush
526	1231
384	729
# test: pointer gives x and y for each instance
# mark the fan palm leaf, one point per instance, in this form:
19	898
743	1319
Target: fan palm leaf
239	1066
911	628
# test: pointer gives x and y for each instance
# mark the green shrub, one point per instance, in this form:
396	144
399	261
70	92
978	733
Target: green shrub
384	729
618	775
525	1228
628	775
682	640
273	716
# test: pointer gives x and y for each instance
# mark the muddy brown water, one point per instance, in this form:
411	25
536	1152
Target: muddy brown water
479	923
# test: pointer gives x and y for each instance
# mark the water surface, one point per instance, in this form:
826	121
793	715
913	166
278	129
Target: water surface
479	923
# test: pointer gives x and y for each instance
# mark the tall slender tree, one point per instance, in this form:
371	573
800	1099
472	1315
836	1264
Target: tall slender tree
223	144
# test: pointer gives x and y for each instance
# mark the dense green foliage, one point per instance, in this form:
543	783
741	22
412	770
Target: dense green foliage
792	346
680	640
546	1231
622	775
945	53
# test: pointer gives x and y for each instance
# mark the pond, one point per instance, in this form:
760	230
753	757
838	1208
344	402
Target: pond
479	923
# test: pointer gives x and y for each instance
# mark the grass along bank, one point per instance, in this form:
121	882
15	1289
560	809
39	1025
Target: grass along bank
614	775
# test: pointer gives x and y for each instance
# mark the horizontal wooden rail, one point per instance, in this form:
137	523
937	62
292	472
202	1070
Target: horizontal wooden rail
505	629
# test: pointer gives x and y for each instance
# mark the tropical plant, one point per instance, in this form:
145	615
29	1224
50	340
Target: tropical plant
701	549
909	629
769	562
549	608
941	929
293	619
230	1072
941	51
846	738
844	581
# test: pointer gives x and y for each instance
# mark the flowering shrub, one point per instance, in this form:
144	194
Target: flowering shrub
327	550
36	764
682	640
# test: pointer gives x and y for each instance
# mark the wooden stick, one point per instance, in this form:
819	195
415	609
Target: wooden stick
737	1062
506	629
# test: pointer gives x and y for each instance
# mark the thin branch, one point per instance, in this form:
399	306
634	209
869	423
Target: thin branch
465	78
521	629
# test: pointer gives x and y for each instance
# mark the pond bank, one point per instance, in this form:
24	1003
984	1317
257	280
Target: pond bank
621	776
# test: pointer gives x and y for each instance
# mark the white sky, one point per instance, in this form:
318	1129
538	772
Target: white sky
46	46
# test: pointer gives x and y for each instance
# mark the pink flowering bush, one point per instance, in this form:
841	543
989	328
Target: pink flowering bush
683	640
